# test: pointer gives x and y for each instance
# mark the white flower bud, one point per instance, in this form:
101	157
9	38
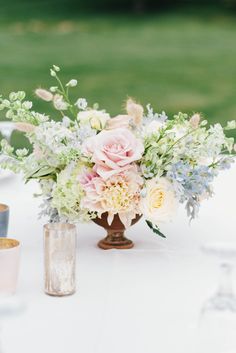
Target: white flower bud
17	105
21	95
22	152
6	103
52	73
56	68
9	114
53	89
81	103
72	83
13	96
231	125
44	94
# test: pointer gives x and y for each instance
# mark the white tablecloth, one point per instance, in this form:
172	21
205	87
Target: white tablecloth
143	300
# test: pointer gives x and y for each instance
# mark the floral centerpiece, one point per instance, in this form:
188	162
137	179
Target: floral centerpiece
113	170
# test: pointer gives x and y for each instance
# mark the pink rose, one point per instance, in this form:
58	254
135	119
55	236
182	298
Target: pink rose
113	151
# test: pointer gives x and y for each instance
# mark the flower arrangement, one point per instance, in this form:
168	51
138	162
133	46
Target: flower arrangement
138	163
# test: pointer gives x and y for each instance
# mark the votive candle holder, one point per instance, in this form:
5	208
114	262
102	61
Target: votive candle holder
60	258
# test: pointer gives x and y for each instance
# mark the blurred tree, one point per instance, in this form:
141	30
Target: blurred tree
73	6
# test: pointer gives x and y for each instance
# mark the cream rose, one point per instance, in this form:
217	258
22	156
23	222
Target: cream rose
160	204
96	118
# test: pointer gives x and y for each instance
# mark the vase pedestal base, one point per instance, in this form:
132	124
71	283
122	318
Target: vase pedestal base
115	238
115	242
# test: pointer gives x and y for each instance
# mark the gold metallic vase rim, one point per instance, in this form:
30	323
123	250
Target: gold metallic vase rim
7	244
3	207
59	226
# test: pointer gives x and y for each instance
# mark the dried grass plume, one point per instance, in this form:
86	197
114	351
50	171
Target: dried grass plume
134	110
25	127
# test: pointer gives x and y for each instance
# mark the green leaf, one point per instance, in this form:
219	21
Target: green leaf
44	171
155	229
40	173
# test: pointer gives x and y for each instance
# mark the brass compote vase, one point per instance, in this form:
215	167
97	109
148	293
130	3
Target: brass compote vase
115	238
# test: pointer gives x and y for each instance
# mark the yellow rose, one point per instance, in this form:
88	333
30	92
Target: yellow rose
159	204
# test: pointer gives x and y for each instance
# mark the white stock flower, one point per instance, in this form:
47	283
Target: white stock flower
27	105
66	121
96	118
159	204
22	152
81	103
59	102
153	127
72	83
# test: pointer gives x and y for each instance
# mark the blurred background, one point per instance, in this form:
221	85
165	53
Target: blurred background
176	55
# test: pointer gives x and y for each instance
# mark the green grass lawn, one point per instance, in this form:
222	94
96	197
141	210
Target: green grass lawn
176	62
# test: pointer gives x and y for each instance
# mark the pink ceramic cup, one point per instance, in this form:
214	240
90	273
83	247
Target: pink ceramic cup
9	265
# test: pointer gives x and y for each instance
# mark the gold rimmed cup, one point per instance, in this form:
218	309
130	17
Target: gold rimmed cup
9	265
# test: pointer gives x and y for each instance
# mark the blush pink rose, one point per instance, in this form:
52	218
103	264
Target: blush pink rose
113	151
93	186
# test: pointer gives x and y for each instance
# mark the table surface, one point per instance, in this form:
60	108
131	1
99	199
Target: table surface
143	300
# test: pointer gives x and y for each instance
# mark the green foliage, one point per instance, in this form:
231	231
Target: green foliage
155	229
57	7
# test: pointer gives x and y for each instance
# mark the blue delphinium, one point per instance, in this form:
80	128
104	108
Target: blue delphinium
191	183
225	162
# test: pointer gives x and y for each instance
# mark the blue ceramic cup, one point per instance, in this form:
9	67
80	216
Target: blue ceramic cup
4	220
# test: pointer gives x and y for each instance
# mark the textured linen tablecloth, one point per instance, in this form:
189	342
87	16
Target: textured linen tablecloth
143	300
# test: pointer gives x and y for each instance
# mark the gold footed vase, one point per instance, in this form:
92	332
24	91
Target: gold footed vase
115	238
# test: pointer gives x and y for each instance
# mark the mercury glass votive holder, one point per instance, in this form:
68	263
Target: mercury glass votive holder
60	258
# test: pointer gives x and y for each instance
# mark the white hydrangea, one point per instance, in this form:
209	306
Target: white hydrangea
55	136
